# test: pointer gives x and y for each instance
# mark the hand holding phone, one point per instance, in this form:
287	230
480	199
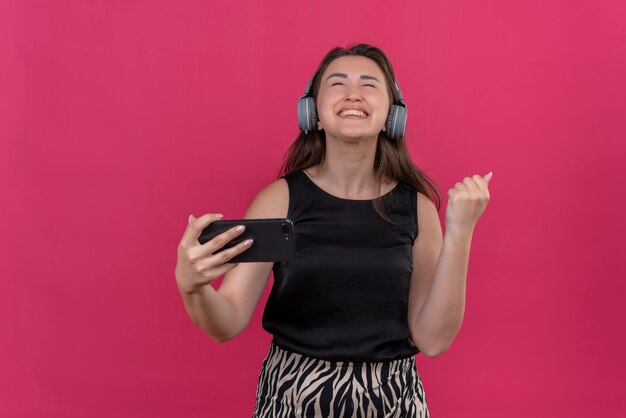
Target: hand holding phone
196	265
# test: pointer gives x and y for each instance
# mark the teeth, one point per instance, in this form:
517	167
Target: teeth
352	112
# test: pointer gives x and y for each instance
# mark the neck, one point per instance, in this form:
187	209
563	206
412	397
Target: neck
348	168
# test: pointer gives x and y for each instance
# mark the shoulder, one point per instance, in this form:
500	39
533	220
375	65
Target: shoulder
423	200
271	202
427	215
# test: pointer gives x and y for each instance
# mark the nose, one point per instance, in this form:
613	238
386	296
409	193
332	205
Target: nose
353	93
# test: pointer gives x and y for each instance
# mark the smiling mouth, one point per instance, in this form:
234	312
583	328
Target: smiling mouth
352	114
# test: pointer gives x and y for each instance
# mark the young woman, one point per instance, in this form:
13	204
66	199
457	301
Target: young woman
374	281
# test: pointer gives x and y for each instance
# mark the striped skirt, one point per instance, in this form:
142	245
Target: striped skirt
294	385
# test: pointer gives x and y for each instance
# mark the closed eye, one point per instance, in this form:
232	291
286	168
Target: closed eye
334	84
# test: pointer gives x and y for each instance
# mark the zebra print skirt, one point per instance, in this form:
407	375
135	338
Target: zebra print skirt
293	385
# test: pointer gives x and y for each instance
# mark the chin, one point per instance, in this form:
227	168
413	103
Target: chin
355	134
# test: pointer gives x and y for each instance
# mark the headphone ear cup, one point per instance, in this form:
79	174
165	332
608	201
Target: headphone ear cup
396	122
307	116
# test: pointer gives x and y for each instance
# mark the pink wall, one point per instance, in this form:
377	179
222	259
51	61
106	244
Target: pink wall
120	118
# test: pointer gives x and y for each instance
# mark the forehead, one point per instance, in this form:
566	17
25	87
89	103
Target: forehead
354	65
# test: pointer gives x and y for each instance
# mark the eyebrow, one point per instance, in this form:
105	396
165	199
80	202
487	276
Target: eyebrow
363	77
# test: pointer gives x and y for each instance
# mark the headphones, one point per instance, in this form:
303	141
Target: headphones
396	119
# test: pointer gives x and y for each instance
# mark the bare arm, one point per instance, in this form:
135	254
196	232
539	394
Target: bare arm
438	282
437	296
223	314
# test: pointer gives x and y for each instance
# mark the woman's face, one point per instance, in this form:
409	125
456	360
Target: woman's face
353	100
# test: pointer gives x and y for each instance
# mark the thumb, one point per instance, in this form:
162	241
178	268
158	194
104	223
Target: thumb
488	177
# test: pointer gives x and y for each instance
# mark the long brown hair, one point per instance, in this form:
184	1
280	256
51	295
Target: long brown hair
392	160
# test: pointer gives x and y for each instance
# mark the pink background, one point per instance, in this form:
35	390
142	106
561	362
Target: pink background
120	118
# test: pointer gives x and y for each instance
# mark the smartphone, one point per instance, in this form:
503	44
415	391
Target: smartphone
273	239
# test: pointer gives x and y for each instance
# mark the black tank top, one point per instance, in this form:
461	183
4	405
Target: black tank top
345	295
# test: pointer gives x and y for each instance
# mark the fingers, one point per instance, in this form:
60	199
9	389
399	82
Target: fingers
488	177
476	183
195	252
466	188
208	248
476	186
472	186
215	262
483	183
220	240
197	265
195	227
